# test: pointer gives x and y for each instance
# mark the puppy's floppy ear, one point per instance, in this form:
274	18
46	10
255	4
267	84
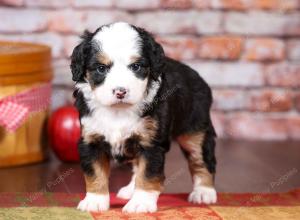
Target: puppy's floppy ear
78	63
79	57
153	51
157	55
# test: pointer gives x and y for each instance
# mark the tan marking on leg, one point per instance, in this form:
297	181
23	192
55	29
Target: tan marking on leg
144	183
192	144
98	183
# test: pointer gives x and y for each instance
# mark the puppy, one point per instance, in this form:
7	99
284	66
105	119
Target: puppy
133	100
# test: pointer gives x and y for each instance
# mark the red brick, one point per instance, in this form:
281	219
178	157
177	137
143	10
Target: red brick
105	17
297	100
51	39
264	100
293	126
293	49
208	22
66	21
270	100
240	74
137	4
220	48
62	84
230	99
21	21
292	24
230	4
218	120
93	3
201	3
255	4
264	49
62	73
179	47
69	44
163	22
48	4
174	22
276	4
12	2
283	74
182	4
263	23
61	97
256	127
262	127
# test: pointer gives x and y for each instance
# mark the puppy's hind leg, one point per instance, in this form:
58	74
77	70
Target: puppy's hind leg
198	148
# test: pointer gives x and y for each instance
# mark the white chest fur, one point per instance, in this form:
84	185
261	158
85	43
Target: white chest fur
116	125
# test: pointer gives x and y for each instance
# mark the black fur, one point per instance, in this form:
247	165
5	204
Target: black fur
209	150
155	158
80	56
152	51
131	150
182	105
144	70
80	104
90	152
185	109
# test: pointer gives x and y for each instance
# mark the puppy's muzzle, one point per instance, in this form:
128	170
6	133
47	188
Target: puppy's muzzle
120	92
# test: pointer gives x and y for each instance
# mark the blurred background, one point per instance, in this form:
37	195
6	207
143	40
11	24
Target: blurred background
247	50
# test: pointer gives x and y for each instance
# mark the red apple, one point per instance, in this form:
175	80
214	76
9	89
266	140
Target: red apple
64	133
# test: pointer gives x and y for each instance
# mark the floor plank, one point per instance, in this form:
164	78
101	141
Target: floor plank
242	167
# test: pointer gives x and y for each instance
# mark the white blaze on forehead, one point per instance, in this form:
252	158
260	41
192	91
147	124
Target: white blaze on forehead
119	41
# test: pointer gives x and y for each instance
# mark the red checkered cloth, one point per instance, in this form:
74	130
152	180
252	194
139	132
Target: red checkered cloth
14	110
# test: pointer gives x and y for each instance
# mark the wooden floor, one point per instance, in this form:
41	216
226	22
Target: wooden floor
242	167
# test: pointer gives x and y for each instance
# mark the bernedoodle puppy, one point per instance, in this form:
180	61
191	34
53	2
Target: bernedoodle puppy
133	100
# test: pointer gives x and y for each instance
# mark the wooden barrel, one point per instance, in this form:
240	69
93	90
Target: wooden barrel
23	66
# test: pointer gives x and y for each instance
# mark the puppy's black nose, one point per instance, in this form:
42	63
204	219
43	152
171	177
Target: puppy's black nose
120	92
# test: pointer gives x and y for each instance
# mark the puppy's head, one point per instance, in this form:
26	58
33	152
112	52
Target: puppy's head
118	61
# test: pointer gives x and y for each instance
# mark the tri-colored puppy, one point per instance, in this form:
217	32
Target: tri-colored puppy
133	100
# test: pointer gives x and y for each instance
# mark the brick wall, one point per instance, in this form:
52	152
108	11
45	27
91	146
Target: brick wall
248	50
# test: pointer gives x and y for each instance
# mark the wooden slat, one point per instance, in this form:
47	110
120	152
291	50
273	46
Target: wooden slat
12	69
21	146
15	52
7	143
35	123
15	160
25	79
7	90
7	140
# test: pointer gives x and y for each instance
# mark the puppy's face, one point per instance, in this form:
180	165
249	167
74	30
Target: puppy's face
118	61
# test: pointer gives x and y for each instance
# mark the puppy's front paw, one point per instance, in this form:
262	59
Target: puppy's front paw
142	201
94	203
202	194
126	191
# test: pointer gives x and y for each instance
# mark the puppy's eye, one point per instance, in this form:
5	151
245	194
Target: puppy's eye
135	67
101	69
